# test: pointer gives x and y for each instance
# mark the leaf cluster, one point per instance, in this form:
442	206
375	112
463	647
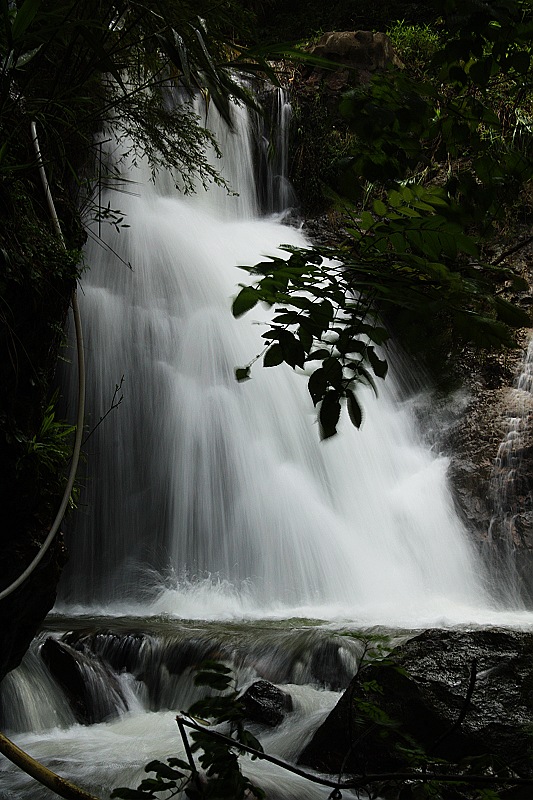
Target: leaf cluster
220	761
222	778
437	160
170	778
409	252
77	66
324	321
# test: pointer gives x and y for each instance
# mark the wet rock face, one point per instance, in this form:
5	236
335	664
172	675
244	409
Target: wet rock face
357	49
356	54
490	443
416	696
490	446
93	690
22	612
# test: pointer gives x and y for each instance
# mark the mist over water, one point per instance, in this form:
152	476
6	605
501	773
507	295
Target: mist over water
209	498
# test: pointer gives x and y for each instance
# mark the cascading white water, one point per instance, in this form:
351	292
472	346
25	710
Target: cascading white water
225	487
209	499
275	188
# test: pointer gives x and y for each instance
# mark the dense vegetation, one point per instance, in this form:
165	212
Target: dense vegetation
424	170
433	160
70	68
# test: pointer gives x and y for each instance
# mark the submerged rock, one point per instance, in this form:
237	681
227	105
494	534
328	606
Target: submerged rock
266	704
92	689
412	701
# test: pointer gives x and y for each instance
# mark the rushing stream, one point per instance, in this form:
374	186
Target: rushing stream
214	501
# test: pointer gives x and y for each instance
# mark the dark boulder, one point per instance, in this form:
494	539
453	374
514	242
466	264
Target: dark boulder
355	57
23	611
92	689
362	49
413	700
266	704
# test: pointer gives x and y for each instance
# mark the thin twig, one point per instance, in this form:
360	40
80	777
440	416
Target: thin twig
359	781
512	250
186	745
114	404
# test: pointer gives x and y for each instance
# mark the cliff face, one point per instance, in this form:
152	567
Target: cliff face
490	445
37	280
22	613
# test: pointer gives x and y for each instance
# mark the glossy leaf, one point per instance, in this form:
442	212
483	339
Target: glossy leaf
242	373
379	366
24	17
273	356
354	409
317	385
247	298
329	414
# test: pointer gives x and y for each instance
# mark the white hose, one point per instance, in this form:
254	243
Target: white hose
81	392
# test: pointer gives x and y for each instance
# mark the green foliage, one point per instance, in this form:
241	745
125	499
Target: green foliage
50	448
420	776
42	459
318	151
222	778
415	44
412	253
442	170
170	778
37	277
76	66
323	321
304	19
218	759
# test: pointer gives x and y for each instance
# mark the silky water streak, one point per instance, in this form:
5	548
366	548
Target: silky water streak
208	498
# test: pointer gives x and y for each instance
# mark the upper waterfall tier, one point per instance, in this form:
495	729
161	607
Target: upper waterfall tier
205	497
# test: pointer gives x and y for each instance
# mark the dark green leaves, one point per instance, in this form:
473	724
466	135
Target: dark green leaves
171	776
330	410
223	779
218	758
412	253
242	374
510	314
319	322
442	167
245	300
24	17
354	409
379	366
273	356
215	675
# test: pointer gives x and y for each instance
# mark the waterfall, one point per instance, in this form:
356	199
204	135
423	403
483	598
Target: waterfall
210	515
275	189
208	498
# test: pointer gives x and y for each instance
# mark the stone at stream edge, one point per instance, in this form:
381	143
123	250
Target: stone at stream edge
419	691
